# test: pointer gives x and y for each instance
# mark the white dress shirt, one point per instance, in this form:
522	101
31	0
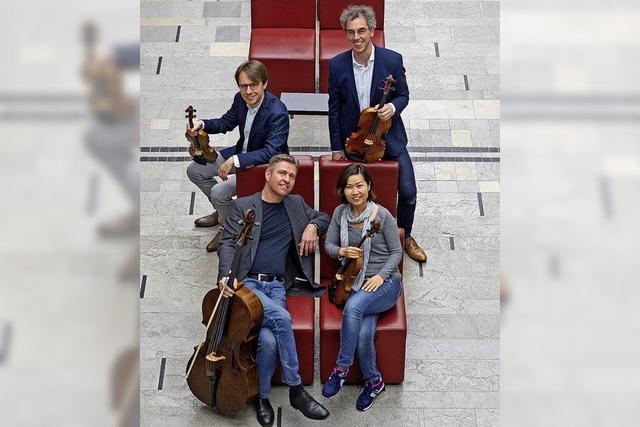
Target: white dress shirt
362	75
251	114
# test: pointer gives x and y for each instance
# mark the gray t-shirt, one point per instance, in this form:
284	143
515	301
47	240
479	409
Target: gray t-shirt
386	252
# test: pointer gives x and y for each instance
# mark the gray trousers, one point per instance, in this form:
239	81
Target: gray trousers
218	193
115	145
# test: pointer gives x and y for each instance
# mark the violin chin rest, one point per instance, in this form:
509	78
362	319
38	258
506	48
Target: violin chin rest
356	157
200	159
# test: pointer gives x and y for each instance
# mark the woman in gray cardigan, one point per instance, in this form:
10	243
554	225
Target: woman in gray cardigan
375	290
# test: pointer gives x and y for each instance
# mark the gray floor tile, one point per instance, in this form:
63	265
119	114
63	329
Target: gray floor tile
466	9
222	9
228	33
158	34
449	417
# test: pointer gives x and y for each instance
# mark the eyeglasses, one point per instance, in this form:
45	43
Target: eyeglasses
361	32
243	88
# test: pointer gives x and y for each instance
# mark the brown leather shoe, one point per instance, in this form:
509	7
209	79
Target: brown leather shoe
414	250
214	244
207	220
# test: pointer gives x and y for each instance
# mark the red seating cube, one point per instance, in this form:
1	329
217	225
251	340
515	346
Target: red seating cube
385	182
252	180
302	313
390	342
332	43
284	39
301	308
332	37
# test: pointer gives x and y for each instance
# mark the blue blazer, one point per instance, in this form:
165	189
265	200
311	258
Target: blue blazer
269	131
344	108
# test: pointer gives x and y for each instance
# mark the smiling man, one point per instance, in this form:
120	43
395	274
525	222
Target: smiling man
279	260
263	122
356	78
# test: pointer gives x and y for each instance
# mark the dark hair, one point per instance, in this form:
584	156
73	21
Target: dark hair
350	170
351	12
256	71
283	158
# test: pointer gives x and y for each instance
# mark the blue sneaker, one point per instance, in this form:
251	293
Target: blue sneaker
334	383
369	393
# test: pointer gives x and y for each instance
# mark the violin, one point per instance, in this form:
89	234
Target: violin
222	370
199	147
340	287
366	144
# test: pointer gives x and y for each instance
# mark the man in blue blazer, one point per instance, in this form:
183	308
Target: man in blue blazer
356	78
263	122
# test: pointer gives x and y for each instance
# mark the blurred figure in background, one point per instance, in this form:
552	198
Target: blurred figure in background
112	137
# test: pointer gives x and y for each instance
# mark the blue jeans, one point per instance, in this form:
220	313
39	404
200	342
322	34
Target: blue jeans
275	337
359	320
407	191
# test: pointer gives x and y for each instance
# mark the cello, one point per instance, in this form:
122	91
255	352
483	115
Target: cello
340	287
222	370
199	147
366	144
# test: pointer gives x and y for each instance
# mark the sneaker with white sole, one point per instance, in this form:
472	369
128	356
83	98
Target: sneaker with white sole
369	393
334	383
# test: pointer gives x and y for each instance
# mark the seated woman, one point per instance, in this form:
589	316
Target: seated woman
376	288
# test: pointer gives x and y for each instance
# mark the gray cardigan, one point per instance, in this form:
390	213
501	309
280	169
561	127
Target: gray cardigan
386	252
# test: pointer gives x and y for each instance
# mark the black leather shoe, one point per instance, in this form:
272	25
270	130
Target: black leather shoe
306	404
264	412
207	220
214	244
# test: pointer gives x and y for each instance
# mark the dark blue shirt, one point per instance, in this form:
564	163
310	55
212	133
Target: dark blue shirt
275	238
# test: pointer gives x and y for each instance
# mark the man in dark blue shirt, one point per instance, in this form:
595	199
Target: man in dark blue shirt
279	257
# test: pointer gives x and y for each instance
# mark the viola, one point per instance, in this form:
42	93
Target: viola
222	370
199	147
340	288
366	144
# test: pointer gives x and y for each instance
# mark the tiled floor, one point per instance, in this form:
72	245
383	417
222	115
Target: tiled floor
452	368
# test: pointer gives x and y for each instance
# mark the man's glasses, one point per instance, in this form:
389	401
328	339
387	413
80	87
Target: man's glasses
243	88
361	32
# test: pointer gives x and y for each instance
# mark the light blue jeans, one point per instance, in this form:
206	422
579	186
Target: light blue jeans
275	337
359	321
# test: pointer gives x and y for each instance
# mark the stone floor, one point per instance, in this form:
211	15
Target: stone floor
450	52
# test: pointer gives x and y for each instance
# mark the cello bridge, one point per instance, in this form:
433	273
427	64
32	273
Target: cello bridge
212	357
368	141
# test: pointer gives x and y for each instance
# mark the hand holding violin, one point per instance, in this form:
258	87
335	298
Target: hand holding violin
386	112
197	125
352	252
